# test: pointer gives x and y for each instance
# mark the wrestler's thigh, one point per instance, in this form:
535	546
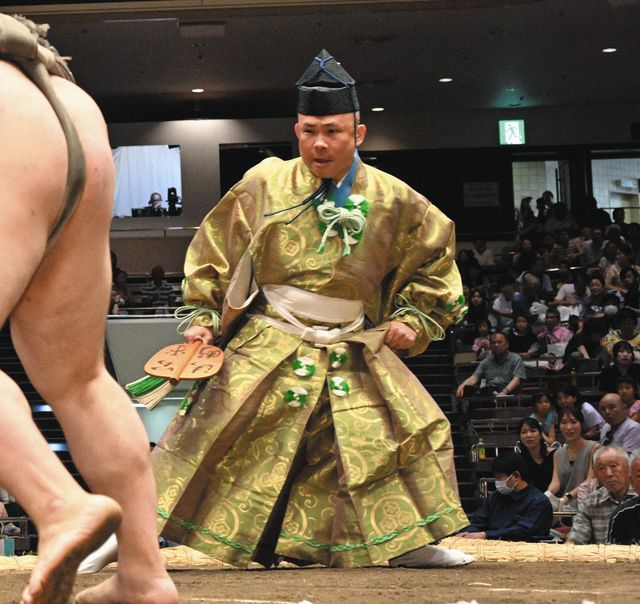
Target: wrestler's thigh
32	171
21	250
58	326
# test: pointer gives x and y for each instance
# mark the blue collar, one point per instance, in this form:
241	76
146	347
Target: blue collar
339	193
328	190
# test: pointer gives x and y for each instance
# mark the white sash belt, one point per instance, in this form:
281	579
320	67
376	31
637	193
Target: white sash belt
293	304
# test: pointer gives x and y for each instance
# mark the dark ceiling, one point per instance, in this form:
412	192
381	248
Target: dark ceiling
140	60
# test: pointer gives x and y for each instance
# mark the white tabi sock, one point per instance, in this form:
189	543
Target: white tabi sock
98	559
431	556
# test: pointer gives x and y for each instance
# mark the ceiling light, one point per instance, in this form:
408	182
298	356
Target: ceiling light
445	80
609	50
197	90
377	108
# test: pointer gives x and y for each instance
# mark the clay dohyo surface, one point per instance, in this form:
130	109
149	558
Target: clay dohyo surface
486	582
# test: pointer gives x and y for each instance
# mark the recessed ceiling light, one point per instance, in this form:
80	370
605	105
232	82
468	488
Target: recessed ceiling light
511	89
197	90
609	49
445	80
377	108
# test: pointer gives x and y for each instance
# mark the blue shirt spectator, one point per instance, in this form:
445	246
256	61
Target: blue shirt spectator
516	511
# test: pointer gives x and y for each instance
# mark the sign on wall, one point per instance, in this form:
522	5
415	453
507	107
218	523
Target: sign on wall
511	132
481	194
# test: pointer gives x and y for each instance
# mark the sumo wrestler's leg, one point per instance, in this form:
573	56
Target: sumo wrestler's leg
58	329
69	520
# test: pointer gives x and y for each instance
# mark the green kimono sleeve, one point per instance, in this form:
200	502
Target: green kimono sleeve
426	291
213	255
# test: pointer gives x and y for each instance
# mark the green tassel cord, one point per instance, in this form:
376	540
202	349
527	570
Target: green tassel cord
149	391
145	385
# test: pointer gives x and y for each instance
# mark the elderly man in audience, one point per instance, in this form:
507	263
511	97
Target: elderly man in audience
619	429
624	526
502	371
516	511
591	523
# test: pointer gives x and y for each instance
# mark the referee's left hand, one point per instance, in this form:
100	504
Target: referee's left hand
400	336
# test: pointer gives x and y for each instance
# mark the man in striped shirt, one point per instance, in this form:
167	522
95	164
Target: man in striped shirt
591	523
157	292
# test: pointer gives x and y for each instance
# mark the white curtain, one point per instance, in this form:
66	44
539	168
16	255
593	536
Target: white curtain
141	171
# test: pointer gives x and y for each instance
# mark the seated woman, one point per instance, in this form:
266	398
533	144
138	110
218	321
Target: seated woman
478	311
568	395
533	448
572	462
622	366
546	416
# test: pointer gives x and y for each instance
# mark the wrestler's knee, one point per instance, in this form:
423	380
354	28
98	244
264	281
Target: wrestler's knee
67	388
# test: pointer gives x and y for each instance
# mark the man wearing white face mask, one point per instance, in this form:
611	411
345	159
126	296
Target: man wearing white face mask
516	511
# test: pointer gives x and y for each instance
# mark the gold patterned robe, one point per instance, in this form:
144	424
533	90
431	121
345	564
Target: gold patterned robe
350	480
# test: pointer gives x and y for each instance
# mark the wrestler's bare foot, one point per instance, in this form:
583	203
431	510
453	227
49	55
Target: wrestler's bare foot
73	529
117	590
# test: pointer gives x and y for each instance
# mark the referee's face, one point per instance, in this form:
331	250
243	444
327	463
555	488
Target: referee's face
327	143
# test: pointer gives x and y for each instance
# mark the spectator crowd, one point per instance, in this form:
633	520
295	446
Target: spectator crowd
563	304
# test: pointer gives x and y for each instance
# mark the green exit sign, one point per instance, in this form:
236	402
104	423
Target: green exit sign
511	132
